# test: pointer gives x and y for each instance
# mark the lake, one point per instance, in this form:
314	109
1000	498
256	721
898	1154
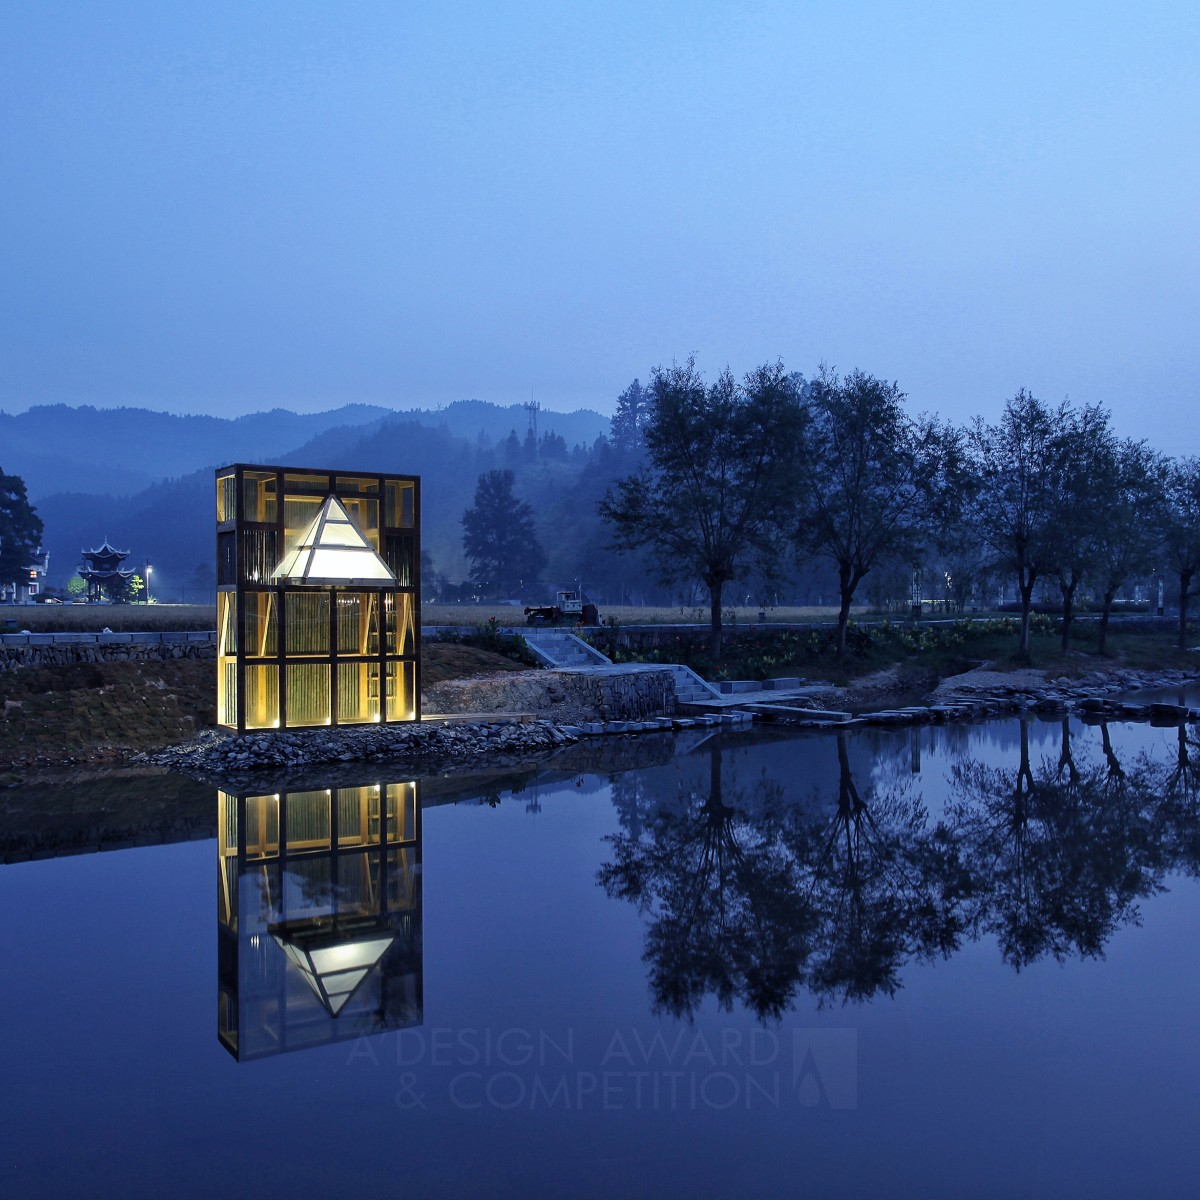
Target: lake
959	960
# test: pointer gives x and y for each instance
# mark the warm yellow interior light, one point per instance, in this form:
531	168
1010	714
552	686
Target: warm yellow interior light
333	551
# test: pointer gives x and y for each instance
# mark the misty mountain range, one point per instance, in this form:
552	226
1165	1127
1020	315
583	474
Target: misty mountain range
144	479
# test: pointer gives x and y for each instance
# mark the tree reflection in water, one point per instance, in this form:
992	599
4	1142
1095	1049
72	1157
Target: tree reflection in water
1058	856
883	885
727	919
753	895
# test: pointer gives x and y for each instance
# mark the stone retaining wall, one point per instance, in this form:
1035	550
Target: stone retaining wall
14	658
628	693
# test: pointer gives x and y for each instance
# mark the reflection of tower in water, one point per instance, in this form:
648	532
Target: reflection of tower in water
319	916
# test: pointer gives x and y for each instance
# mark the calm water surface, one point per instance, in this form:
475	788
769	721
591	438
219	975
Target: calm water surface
956	962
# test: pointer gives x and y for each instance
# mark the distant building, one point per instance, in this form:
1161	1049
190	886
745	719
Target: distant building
102	571
30	586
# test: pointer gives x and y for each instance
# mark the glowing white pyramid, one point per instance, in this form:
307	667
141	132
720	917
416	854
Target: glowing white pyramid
334	967
333	550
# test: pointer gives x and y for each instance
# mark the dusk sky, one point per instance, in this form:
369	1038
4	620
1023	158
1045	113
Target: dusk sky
226	207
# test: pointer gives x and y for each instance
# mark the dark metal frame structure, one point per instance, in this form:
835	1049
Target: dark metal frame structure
320	869
293	655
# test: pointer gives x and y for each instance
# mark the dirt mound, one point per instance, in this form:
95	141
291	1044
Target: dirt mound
100	712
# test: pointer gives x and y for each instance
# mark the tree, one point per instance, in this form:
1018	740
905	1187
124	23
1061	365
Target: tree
1083	485
1182	541
76	586
718	490
137	585
875	480
1014	465
629	421
499	537
202	584
20	529
1128	526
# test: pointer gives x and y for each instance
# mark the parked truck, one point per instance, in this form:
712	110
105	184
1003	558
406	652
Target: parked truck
569	606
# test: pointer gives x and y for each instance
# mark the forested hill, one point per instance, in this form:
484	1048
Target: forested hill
476	418
171	523
118	451
121	451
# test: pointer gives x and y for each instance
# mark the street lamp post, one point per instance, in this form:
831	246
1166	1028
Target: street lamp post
149	568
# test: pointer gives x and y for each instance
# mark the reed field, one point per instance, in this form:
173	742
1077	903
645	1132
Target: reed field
480	614
91	618
132	618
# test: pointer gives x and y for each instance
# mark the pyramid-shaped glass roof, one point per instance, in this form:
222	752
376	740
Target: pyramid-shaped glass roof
333	550
333	966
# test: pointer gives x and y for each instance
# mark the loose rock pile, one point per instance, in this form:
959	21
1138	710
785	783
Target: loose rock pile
1089	694
426	746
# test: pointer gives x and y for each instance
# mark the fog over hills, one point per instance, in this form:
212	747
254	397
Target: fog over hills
144	479
120	451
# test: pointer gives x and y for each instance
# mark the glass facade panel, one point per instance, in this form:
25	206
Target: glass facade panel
312	483
402	812
358	692
357	623
389	623
358	816
400	504
403	878
401	700
400	556
226	498
262	696
227	558
298	514
262	826
307	624
259	555
308	693
262	625
227	691
363	484
312	876
308	820
400	623
259	496
227	639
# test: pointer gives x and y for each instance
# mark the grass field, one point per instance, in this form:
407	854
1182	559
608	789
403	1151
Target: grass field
479	614
121	618
91	618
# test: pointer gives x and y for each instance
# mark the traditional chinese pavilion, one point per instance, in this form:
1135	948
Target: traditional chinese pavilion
102	571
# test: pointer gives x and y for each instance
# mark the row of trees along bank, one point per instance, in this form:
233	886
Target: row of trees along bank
735	478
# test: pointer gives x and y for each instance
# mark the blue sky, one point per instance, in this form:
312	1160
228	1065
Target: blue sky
225	207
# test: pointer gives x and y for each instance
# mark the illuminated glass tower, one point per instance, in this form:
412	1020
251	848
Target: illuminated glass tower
317	586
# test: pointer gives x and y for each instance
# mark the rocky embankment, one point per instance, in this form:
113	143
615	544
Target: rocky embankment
423	748
985	693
